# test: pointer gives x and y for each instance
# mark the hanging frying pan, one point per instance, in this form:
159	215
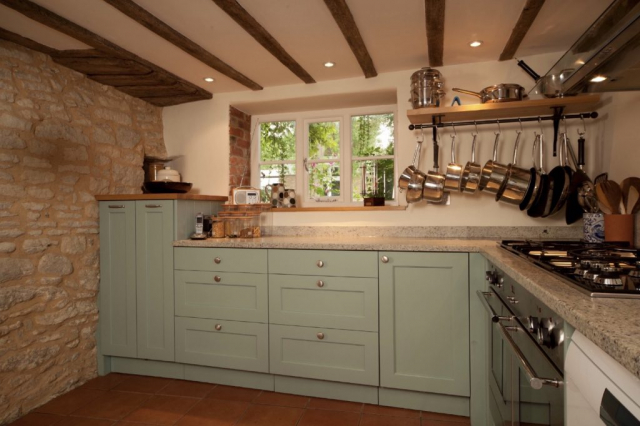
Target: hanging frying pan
561	178
539	204
534	183
574	209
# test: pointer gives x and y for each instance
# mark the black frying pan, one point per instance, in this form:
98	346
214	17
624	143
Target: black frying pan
539	204
561	178
534	182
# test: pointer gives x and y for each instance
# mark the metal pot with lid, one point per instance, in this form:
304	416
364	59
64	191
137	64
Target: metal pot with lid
426	88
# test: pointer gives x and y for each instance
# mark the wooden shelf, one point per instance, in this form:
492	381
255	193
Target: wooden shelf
339	209
531	108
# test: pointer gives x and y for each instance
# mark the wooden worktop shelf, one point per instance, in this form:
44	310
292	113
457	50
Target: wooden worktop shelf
489	111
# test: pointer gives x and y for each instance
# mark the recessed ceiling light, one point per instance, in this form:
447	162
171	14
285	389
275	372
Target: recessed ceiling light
598	79
329	64
209	79
476	43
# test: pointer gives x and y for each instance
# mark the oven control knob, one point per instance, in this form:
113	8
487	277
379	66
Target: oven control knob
544	337
547	334
489	276
534	324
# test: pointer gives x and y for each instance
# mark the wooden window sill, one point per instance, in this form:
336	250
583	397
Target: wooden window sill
339	209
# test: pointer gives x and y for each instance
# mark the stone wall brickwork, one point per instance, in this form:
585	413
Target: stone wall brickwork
63	139
239	147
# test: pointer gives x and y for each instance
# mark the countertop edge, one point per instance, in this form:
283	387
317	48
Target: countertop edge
129	197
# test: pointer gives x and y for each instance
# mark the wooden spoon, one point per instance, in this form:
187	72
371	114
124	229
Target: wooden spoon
632	200
603	200
613	192
630	185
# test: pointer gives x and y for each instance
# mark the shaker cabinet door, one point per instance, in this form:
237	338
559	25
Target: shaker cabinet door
154	256
118	278
424	322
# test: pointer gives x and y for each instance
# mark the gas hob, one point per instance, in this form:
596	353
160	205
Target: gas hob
599	270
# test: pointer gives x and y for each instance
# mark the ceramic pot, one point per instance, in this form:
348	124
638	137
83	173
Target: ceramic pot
593	227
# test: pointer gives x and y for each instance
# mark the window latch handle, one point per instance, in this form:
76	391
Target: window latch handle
304	162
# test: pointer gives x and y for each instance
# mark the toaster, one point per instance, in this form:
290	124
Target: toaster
245	196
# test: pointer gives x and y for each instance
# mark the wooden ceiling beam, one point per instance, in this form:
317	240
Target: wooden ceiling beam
527	16
26	42
262	36
152	23
58	23
344	18
434	16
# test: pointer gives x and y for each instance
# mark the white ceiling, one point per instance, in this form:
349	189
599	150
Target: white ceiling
393	31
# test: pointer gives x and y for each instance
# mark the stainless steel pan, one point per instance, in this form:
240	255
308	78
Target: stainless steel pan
497	93
471	174
515	186
434	183
453	175
408	173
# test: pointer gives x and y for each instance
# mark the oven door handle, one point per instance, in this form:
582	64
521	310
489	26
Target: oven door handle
484	295
535	381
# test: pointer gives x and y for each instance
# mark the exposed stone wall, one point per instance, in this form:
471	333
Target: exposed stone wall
239	147
63	139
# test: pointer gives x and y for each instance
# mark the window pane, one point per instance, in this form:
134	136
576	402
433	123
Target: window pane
278	141
324	180
372	135
379	179
324	140
276	173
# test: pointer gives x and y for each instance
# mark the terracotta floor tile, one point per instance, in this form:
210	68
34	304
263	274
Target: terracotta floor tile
143	384
107	382
445	417
83	421
332	404
161	410
281	399
69	402
267	415
375	420
37	419
187	388
214	412
390	411
329	418
232	393
113	405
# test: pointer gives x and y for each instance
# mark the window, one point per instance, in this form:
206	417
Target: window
331	158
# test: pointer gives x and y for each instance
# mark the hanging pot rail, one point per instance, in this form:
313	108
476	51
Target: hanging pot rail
435	124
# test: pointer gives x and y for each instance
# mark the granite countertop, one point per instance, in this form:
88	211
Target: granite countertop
164	196
612	324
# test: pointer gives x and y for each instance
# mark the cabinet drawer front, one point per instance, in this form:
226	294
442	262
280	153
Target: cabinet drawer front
221	259
222	295
341	356
324	262
237	345
320	301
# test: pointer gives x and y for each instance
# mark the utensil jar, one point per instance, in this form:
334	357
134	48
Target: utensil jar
619	228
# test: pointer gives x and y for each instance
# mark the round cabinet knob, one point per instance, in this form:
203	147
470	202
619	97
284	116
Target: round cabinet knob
320	263
218	327
217	260
384	259
217	278
320	336
320	283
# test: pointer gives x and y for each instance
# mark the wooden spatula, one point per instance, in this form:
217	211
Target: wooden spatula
632	205
613	192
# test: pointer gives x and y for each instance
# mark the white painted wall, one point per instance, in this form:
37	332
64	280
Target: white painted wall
199	131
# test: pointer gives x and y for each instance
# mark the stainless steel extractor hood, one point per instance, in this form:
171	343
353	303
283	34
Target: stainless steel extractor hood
606	58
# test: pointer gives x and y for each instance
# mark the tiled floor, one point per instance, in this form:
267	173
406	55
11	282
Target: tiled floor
123	400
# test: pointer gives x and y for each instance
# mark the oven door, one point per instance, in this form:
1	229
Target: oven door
539	385
502	366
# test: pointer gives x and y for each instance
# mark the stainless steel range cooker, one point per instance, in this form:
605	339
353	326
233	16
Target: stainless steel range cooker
526	355
599	270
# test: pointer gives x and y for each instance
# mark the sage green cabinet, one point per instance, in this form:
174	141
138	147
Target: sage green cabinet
321	301
154	278
118	278
221	343
324	354
221	259
222	295
424	322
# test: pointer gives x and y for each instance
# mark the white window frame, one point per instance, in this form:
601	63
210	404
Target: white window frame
302	120
306	160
